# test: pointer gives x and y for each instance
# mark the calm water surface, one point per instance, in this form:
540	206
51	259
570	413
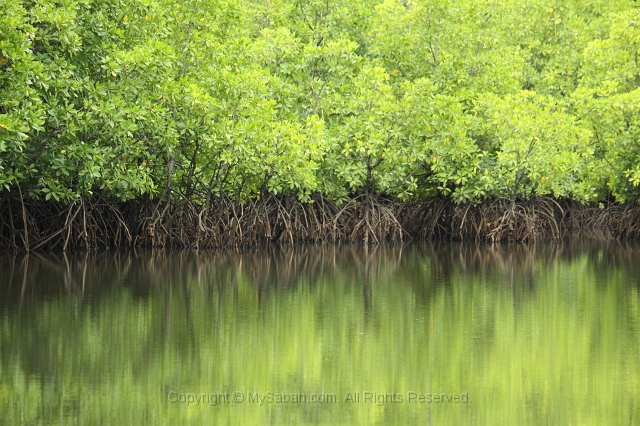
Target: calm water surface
421	334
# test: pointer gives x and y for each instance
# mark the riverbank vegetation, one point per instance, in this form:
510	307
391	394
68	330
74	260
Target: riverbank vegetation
228	122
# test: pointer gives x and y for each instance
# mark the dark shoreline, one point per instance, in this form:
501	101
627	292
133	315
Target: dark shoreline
47	225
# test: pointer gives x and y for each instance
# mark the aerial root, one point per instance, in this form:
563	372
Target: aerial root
284	219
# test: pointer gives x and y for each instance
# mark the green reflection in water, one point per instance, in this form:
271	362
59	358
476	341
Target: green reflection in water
531	335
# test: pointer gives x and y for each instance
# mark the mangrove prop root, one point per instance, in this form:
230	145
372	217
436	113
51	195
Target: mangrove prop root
35	225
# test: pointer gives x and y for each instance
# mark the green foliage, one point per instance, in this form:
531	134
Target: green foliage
538	148
472	100
615	122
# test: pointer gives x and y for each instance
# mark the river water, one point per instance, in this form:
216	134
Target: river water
428	334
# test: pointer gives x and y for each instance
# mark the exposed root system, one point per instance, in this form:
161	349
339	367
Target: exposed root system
35	225
279	219
625	221
506	220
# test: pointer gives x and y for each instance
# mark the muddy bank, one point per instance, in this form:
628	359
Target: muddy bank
37	225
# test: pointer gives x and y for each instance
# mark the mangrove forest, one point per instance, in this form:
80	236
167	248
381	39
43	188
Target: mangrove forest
217	123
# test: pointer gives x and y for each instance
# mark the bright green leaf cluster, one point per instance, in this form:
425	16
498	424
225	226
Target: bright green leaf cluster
471	100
